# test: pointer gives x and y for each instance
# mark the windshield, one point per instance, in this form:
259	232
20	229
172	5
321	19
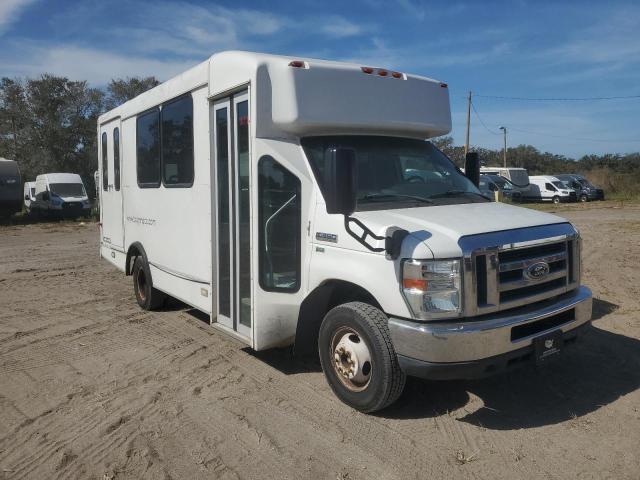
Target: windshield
586	183
67	189
519	177
396	172
560	184
502	182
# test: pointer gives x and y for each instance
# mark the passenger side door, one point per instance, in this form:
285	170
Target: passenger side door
111	205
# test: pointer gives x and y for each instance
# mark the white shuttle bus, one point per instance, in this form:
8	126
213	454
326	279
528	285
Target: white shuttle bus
280	196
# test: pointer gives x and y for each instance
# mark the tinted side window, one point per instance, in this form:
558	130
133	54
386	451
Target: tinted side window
148	149
116	158
279	220
105	163
177	142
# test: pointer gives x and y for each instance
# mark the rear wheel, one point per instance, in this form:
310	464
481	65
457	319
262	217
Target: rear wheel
148	297
556	199
358	358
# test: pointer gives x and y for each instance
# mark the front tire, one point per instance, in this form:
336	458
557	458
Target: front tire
556	199
584	198
358	358
148	297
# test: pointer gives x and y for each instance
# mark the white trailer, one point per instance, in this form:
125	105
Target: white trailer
296	201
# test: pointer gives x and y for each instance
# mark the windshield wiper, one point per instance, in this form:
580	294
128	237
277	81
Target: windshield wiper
455	193
383	196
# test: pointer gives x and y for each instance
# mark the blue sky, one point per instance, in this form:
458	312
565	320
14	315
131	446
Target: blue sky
523	48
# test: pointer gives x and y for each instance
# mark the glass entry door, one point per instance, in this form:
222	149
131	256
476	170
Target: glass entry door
233	213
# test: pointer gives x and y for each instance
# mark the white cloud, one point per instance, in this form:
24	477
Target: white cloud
10	11
95	66
338	27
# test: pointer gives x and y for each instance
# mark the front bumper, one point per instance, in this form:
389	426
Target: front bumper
449	349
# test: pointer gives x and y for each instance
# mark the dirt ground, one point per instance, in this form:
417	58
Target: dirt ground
93	387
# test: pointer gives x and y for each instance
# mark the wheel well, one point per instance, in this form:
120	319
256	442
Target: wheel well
135	251
318	303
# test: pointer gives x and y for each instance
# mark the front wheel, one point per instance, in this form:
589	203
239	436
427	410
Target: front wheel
358	358
583	198
556	199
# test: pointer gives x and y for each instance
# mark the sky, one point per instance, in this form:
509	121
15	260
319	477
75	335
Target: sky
520	48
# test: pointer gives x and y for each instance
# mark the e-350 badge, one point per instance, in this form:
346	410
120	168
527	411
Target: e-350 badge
327	237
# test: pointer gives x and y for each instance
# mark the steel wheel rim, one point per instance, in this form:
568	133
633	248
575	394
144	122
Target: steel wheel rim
351	359
141	281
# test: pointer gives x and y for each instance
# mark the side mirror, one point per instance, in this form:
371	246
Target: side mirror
493	187
340	168
472	167
26	197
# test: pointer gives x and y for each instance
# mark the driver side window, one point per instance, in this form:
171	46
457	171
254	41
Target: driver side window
550	187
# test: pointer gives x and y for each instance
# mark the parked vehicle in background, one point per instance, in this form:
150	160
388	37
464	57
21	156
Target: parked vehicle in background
545	188
29	192
10	192
61	195
487	187
506	187
584	188
518	178
296	201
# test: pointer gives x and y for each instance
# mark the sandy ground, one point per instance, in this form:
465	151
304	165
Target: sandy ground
93	387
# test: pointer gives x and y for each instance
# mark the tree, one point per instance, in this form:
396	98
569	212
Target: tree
121	90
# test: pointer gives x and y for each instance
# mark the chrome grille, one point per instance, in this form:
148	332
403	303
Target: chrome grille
500	275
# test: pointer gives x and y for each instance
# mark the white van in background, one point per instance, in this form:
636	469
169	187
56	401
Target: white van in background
29	195
61	194
545	188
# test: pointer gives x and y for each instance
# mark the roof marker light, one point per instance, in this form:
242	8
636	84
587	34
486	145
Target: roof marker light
396	74
382	73
444	85
297	64
367	70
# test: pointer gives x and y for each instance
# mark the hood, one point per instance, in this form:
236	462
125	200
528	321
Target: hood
439	228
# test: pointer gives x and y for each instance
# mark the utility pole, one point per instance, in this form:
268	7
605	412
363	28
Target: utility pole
466	143
504	153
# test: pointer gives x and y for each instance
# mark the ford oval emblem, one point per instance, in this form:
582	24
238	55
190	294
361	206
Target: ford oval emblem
537	271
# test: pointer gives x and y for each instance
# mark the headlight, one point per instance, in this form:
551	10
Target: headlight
432	288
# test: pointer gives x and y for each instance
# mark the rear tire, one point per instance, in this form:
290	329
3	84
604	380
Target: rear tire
358	358
148	297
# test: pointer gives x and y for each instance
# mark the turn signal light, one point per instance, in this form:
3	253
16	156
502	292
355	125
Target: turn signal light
415	284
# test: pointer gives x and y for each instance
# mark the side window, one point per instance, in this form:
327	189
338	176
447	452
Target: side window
549	187
177	142
105	163
279	220
116	158
148	149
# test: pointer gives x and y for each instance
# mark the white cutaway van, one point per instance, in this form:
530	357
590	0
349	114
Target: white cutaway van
299	202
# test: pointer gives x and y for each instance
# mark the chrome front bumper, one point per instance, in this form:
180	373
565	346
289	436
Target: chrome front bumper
471	340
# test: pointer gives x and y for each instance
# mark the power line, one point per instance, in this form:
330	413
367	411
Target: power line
559	99
480	120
